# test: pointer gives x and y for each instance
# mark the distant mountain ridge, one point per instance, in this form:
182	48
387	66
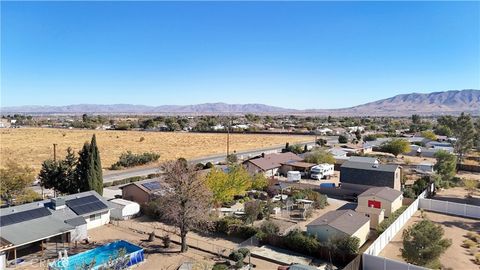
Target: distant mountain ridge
218	107
436	103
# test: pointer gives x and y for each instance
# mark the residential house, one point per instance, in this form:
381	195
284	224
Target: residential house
427	152
368	160
355	129
324	131
340	223
142	192
270	164
61	220
424	168
385	198
380	175
376	215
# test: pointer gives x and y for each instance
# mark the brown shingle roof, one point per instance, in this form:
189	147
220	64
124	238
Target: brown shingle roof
386	193
347	221
273	161
300	164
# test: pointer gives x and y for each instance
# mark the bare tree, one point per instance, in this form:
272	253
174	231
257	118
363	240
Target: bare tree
187	200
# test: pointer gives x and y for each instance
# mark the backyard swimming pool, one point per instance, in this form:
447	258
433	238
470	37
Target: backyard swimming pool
117	255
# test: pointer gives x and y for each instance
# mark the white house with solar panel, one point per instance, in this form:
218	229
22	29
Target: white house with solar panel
30	227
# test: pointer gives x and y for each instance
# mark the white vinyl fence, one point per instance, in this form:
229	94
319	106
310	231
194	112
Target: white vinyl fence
370	258
380	263
379	244
458	209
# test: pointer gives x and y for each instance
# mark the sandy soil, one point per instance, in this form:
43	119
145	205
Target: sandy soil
31	146
458	195
469	175
456	257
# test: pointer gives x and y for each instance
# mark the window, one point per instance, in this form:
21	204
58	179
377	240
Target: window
95	217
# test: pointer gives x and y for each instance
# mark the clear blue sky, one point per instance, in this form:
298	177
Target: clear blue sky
291	54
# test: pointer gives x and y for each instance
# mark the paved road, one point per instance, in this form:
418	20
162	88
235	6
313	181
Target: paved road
110	176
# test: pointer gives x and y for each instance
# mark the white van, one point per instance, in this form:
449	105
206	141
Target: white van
294	176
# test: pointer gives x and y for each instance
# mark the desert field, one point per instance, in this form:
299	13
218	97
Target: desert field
31	146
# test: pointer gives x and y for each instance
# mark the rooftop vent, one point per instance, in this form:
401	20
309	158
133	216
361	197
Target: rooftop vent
58	203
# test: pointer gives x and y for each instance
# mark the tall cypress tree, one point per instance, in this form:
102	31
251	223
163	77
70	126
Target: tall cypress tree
95	172
83	167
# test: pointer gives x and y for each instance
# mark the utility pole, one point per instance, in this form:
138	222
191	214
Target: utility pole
54	159
54	152
228	137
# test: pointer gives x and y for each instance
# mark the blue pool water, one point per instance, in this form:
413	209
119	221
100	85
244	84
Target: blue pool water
101	255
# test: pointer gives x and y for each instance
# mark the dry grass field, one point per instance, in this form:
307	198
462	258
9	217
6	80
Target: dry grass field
31	146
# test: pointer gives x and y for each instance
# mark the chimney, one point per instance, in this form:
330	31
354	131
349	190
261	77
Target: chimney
58	203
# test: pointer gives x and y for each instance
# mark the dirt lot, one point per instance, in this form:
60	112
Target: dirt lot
156	257
456	257
458	195
31	146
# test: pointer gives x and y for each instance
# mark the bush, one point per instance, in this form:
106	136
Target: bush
208	165
477	258
369	138
269	228
469	243
301	242
220	266
236	256
408	193
349	245
342	139
388	221
245	252
235	227
166	241
128	159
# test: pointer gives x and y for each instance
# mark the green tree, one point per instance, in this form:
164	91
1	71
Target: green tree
423	243
346	244
60	175
443	130
95	174
83	166
224	186
429	135
342	139
416	119
396	147
446	165
14	180
259	181
319	156
89	168
465	134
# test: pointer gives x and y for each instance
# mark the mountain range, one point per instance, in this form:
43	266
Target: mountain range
436	103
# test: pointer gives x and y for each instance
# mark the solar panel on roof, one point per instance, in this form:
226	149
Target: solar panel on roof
152	185
85	205
24	216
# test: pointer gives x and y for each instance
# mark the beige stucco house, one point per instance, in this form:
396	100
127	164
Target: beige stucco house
376	215
340	223
385	198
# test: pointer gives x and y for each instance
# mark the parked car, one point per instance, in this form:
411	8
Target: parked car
279	197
